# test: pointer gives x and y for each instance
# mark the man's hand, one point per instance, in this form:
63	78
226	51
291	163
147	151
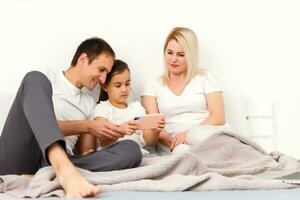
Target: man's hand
107	129
130	127
179	138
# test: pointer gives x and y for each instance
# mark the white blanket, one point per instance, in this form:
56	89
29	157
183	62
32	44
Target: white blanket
224	161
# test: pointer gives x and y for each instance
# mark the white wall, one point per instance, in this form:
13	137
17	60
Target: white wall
252	47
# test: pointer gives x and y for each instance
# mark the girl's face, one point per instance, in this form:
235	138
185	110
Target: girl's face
175	58
118	89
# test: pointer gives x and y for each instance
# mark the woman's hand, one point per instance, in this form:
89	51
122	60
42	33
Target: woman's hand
165	138
179	138
160	126
130	127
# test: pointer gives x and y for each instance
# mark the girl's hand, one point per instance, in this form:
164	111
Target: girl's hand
130	127
179	138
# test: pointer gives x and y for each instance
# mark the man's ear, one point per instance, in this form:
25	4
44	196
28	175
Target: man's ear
83	59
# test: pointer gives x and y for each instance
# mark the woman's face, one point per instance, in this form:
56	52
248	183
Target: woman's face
175	58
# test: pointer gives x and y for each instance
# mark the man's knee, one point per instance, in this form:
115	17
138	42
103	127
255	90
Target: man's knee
131	153
36	76
37	81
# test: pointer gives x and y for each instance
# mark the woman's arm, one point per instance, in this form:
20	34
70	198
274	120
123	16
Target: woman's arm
150	104
151	136
216	116
215	104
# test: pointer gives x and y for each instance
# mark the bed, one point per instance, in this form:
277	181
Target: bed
292	194
224	165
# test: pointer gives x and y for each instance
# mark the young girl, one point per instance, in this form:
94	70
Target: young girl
113	107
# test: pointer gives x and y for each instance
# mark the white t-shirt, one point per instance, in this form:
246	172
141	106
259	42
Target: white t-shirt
186	110
70	103
119	116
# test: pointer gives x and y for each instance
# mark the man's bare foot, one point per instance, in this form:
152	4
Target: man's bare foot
71	180
76	186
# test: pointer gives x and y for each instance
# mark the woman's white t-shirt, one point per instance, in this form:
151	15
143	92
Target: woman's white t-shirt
186	110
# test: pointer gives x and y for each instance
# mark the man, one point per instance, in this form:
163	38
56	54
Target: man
32	137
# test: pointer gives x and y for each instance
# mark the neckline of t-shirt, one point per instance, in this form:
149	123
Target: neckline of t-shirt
185	89
174	94
117	107
69	85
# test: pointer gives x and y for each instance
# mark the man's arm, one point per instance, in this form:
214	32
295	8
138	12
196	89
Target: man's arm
93	127
74	127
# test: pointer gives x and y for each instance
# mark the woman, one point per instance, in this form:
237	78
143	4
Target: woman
187	95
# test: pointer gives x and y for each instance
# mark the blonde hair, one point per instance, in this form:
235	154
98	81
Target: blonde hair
187	39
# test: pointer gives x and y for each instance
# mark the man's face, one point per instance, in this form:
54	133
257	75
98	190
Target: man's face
96	71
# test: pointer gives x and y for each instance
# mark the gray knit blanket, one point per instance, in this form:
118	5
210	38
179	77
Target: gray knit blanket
223	161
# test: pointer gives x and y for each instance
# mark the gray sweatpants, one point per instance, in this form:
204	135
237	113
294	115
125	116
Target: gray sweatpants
31	127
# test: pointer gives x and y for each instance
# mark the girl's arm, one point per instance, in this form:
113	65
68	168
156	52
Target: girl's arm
215	104
86	144
104	141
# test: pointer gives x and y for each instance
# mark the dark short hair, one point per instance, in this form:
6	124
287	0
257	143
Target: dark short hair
92	47
118	67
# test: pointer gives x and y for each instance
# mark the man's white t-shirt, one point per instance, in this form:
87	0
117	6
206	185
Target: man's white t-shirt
70	103
184	111
120	116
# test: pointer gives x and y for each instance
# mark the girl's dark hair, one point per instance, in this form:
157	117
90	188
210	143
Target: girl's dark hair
118	67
